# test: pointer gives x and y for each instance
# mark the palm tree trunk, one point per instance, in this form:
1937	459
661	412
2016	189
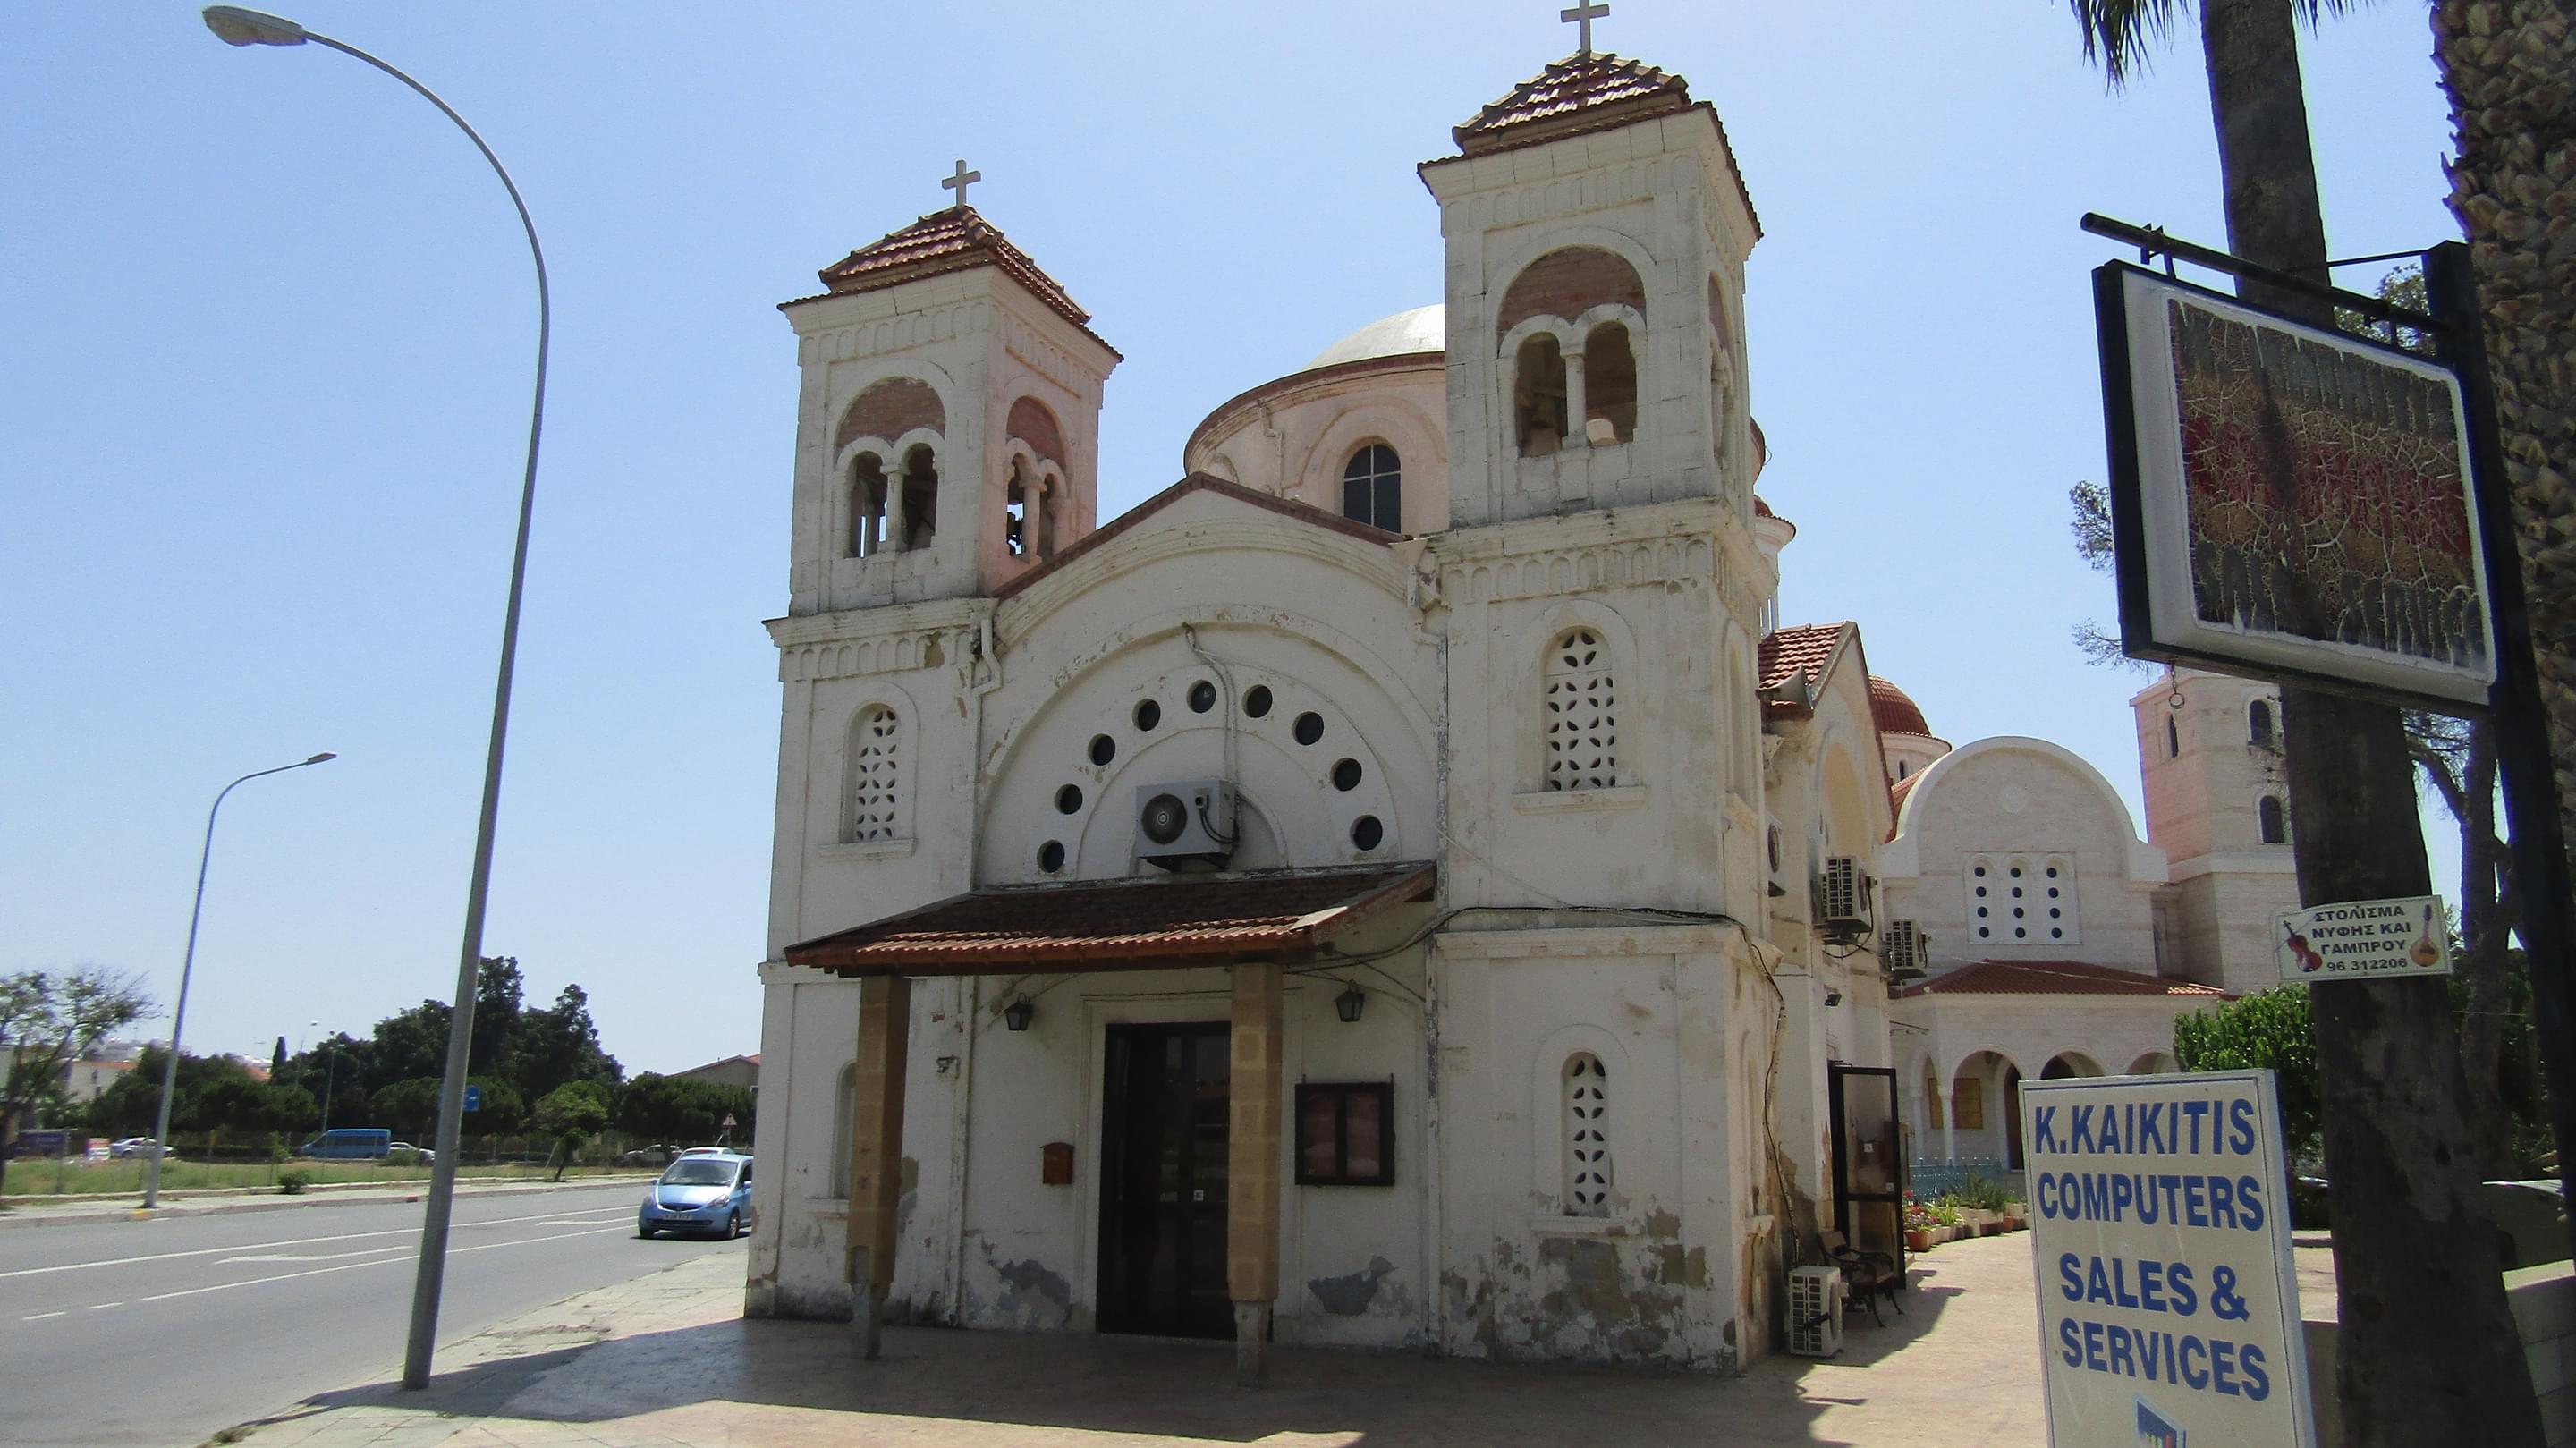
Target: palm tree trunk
2506	65
2429	1352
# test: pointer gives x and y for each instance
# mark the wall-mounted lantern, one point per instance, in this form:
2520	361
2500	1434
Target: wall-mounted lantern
1016	1014
1350	1003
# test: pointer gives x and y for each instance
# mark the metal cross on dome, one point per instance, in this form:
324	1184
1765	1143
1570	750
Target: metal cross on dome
962	179
1583	15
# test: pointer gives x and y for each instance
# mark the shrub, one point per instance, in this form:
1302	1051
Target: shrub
292	1181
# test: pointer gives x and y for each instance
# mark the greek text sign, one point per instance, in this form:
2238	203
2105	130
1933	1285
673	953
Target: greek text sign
2363	938
2168	1310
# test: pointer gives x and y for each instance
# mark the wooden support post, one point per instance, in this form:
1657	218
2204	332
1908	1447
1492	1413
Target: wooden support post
876	1151
1256	1099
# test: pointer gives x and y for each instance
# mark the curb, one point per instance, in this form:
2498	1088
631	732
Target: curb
285	1203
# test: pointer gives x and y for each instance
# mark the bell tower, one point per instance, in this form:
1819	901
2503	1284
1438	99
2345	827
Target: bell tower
2210	748
948	422
1597	234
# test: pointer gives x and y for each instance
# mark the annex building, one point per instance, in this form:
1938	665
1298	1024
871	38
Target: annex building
1402	886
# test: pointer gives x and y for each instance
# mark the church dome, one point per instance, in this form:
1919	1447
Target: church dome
1402	335
1895	713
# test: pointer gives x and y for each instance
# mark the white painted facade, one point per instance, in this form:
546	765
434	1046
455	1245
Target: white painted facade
1548	685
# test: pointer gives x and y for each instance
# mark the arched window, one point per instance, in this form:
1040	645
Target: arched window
1609	385
2173	739
2275	825
1373	488
1581	710
875	777
1587	1137
2258	723
867	506
1538	396
1024	513
845	1100
920	500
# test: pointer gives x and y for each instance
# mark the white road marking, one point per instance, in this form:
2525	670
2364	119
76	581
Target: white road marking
104	1306
41	1316
257	1247
378	1262
317	1256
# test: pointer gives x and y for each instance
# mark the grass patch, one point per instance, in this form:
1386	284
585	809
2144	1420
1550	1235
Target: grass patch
41	1177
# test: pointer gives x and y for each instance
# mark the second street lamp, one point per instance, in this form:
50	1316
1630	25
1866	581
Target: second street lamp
187	966
236	26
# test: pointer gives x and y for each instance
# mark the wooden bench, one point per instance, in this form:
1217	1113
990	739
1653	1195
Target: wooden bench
1868	1276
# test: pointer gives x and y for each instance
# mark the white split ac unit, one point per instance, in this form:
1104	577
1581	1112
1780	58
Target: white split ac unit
1191	821
1815	1311
1904	952
1843	900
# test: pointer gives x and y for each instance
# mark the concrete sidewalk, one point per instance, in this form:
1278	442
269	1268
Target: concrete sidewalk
666	1361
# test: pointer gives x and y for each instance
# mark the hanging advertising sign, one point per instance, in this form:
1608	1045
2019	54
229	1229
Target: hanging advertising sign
2362	940
2289	502
2168	1307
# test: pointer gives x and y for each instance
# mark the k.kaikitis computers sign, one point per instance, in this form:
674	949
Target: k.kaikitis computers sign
2287	501
2168	1307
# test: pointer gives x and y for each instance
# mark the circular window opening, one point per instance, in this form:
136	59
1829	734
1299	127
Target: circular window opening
1367	833
1981	872
1068	800
2016	892
1346	775
1148	714
1981	892
1983	932
2052	892
2016	912
2016	872
1981	912
2057	935
2052	872
1256	701
2054	913
1103	749
1309	728
1202	697
1051	856
1164	817
2020	934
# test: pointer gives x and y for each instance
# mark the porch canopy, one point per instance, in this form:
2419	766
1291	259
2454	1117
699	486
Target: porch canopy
1169	922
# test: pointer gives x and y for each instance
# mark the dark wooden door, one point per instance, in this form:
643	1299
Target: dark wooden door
1162	1181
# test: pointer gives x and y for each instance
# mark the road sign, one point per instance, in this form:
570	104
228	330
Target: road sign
473	1098
2363	939
2168	1306
728	1121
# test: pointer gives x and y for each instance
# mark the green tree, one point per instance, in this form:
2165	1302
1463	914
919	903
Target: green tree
572	1113
406	1046
408	1109
2266	1031
497	1009
2429	1351
560	1045
682	1110
48	1020
503	1110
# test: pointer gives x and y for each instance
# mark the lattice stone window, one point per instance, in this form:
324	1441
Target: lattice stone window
1587	1137
1582	713
2023	900
875	784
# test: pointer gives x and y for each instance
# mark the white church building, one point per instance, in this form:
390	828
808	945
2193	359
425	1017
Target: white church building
1401	886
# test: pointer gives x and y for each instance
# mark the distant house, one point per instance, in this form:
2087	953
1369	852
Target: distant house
743	1071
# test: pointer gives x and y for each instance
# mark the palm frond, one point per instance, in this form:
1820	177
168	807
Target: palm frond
2120	34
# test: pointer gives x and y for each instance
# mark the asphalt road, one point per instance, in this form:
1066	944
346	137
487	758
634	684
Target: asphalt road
165	1332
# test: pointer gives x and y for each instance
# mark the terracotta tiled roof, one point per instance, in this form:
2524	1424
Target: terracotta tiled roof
1762	509
1896	794
1586	92
1173	921
944	241
1893	711
1806	648
2056	977
1197	483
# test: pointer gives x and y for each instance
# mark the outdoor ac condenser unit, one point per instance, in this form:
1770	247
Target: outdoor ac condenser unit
1190	821
1905	952
1815	1311
1842	900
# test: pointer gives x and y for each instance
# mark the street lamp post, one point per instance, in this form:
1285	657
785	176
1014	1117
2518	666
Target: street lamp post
187	967
236	26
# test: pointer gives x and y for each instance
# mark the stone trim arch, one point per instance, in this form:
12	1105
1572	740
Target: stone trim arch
1528	683
904	785
2144	863
1546	1118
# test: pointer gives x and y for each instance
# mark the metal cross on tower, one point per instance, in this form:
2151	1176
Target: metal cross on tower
1583	15
964	178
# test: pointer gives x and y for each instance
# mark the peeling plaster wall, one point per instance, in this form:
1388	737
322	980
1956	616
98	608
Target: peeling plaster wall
1653	1281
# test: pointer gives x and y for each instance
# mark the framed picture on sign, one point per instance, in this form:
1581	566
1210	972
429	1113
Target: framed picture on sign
2289	502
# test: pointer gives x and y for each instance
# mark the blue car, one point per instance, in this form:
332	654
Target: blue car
706	1192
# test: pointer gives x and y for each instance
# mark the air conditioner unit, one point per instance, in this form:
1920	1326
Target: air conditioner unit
1904	952
1843	900
1187	822
1815	1311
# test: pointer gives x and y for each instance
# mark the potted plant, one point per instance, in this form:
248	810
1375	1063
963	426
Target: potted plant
1920	1224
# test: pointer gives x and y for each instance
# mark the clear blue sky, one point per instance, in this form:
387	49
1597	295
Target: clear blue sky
269	324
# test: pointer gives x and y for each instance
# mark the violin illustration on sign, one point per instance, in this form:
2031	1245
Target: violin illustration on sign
2362	939
2299	949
